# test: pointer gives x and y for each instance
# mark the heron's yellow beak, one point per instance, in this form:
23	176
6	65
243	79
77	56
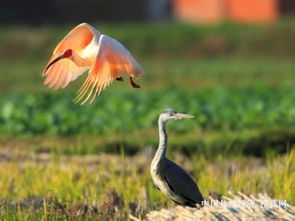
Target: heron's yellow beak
184	116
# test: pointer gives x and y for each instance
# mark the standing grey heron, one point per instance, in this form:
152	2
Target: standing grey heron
170	178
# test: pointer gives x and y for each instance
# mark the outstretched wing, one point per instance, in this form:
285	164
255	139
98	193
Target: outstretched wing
62	73
65	70
182	184
112	61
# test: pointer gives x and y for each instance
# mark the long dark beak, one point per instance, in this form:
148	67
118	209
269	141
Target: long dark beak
183	116
51	63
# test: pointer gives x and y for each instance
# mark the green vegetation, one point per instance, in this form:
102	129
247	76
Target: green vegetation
183	55
146	40
237	79
220	111
216	109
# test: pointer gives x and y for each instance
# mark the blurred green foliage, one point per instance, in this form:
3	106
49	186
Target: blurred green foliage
218	108
237	79
169	39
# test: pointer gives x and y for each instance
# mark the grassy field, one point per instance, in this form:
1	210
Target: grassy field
59	158
67	182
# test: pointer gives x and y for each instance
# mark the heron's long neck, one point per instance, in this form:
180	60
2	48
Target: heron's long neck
79	61
161	151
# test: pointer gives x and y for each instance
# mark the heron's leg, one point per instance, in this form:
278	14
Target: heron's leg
133	84
119	79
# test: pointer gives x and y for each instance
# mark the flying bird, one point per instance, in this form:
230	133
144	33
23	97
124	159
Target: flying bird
85	48
168	177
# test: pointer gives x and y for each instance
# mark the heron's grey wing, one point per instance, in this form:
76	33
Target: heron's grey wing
181	183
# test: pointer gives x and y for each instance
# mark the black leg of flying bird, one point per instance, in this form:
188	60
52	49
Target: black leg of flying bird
133	84
119	79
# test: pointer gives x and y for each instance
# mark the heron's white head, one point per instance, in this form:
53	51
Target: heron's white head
170	114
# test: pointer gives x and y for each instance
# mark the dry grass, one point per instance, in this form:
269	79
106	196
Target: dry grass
236	208
35	186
